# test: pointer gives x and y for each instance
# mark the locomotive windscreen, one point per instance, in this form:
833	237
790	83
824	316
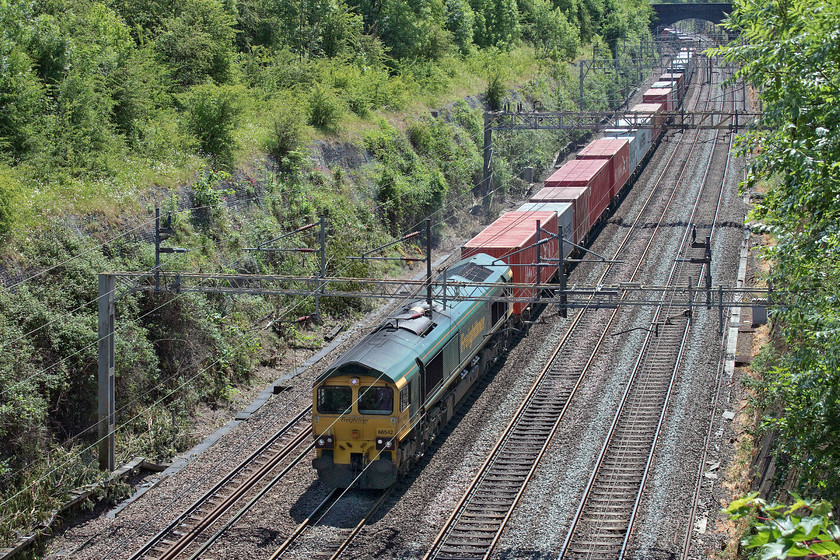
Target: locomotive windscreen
334	399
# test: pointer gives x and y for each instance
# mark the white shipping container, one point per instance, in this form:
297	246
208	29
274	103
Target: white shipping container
565	218
640	144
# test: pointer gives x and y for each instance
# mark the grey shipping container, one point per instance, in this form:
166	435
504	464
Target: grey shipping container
565	218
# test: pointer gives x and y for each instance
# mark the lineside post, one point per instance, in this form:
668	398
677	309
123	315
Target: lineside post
561	270
488	153
429	264
107	418
322	272
581	85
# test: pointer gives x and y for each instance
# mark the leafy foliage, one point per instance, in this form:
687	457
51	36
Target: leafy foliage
324	108
791	54
212	113
288	130
549	30
105	104
495	91
804	528
198	42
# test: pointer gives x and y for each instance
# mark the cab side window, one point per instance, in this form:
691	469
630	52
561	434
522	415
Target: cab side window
405	398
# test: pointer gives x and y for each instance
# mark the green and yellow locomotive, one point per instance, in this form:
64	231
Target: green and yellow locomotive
378	406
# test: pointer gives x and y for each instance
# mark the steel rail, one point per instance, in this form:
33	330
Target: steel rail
636	378
247	507
714	406
685	334
320	512
324	506
242	469
437	548
352	535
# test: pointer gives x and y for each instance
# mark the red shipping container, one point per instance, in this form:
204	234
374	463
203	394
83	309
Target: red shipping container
578	197
659	95
654	109
505	237
677	79
592	173
617	152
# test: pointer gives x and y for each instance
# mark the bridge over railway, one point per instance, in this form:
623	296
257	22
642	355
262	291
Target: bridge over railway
668	14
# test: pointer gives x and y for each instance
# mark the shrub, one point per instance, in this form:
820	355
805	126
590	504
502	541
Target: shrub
495	91
324	108
288	130
211	115
205	192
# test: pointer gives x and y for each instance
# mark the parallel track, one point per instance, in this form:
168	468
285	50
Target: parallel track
603	522
174	540
332	548
477	522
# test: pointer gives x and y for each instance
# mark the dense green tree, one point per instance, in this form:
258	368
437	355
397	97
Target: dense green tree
145	17
139	89
21	101
627	21
790	53
460	22
309	28
340	30
496	22
198	43
546	27
413	29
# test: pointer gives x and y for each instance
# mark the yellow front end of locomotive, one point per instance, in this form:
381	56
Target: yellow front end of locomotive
356	422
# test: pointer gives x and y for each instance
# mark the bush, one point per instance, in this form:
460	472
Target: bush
324	108
288	130
211	114
495	91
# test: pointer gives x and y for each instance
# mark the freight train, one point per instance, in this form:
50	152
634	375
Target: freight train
378	406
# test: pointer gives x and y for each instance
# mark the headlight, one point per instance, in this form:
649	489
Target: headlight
324	442
384	443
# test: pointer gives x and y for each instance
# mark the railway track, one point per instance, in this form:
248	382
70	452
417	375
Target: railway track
331	547
603	523
184	532
475	526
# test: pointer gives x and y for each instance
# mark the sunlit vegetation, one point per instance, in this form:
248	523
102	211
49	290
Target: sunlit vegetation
214	110
789	53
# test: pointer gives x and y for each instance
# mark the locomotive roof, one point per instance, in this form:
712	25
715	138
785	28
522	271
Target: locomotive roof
389	351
